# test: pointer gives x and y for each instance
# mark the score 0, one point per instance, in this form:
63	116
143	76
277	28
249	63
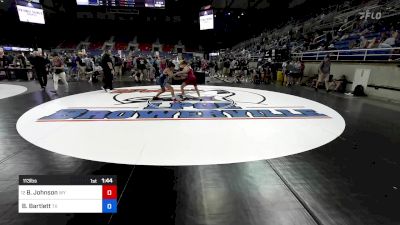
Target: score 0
110	198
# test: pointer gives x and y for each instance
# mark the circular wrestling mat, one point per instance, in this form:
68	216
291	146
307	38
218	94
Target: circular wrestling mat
8	90
227	125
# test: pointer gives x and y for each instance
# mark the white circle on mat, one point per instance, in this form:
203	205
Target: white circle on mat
9	90
228	125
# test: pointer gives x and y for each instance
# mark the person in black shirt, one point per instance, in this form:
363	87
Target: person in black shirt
39	63
226	69
108	71
141	63
3	62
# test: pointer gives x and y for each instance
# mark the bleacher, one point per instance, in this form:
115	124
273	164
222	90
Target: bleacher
95	45
68	45
122	42
145	47
350	55
121	46
97	42
343	21
168	48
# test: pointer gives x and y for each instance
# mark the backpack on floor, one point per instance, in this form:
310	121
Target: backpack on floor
359	91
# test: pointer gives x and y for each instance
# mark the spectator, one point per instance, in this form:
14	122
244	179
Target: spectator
290	73
151	70
128	65
302	68
141	65
389	42
108	71
80	65
220	65
204	65
324	71
39	64
59	74
3	61
284	67
74	66
226	70
89	66
20	61
211	66
176	62
232	67
373	43
163	65
255	77
156	65
118	66
339	85
363	42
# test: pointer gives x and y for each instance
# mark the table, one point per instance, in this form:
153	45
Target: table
20	73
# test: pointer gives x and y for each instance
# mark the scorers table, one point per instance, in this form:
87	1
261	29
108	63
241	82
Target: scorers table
67	194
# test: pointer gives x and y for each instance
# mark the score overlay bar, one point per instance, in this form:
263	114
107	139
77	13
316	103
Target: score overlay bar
67	194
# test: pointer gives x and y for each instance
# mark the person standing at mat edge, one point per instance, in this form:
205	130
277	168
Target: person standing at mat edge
108	71
59	74
40	63
324	71
3	63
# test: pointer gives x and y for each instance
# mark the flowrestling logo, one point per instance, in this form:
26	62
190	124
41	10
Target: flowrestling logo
368	14
215	104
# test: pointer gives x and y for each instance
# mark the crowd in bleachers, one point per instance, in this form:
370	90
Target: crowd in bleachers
351	32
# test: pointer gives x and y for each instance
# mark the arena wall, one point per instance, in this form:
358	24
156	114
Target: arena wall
384	75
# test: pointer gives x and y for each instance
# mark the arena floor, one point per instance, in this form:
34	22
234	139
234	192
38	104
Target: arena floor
351	180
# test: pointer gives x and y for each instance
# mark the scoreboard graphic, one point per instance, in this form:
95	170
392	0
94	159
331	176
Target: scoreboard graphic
67	194
123	3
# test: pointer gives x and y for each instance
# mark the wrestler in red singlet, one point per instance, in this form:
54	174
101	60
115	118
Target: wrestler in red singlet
189	78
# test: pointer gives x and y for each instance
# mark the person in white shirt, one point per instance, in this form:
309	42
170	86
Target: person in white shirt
59	73
232	67
284	65
389	42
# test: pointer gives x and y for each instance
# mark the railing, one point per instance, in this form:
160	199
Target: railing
319	38
393	5
347	25
355	55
